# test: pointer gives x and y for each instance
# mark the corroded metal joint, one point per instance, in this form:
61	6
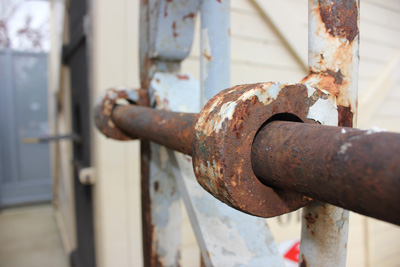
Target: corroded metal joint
105	105
250	152
225	132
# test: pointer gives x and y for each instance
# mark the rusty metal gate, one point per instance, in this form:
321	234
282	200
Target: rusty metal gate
253	151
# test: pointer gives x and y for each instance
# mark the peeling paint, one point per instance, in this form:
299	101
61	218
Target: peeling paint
225	131
333	65
323	112
344	148
375	130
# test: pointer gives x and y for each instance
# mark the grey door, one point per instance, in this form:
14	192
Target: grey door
24	168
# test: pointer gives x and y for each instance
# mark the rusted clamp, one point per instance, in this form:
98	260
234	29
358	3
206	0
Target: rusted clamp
105	105
225	132
221	141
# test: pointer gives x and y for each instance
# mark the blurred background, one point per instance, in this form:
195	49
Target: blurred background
71	197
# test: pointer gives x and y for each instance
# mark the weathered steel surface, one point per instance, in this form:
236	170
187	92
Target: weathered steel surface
333	53
223	234
165	209
173	130
227	236
333	62
166	34
224	135
217	222
282	155
105	105
321	242
172	28
345	167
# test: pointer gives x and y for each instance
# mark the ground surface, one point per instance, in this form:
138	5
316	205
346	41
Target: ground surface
29	237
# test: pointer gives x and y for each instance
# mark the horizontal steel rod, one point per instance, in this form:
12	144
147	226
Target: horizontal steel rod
350	168
171	129
354	169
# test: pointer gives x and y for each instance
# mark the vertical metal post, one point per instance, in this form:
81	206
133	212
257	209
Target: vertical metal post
224	235
333	64
145	76
166	34
215	48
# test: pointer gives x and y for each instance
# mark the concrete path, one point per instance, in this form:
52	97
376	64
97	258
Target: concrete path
29	237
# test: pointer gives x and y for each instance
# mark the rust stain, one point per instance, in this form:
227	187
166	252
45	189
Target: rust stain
237	114
173	191
207	56
189	16
105	107
219	1
156	185
182	77
174	33
337	76
303	262
147	225
144	79
165	102
333	66
156	261
166	8
329	80
345	116
340	18
310	219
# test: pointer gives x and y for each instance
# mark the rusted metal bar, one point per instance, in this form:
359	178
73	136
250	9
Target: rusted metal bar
171	129
333	57
166	36
354	169
350	168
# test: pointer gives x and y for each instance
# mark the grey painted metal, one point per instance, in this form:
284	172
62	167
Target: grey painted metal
25	171
224	235
166	35
325	227
169	22
215	47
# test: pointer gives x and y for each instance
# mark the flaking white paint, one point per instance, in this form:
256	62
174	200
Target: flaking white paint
324	112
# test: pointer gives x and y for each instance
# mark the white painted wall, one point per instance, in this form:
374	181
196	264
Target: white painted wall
117	188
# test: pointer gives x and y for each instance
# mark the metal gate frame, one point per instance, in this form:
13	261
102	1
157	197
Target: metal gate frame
329	95
333	63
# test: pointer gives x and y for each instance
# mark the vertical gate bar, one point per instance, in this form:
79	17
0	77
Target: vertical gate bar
166	35
225	235
145	76
215	48
333	66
